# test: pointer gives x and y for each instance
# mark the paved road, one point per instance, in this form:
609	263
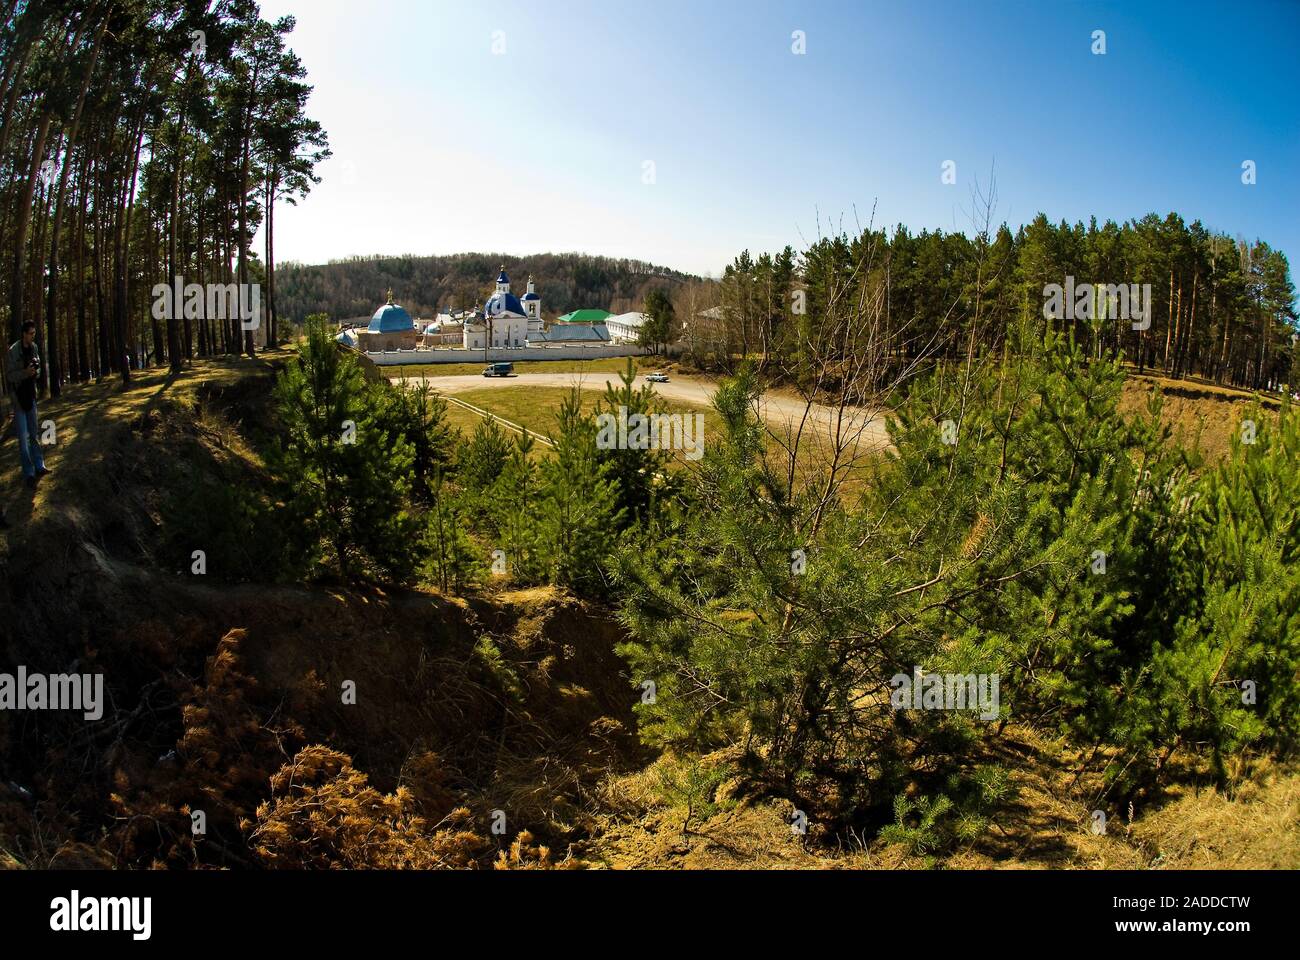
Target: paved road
778	411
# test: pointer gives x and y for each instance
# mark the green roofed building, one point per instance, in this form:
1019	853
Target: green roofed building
585	316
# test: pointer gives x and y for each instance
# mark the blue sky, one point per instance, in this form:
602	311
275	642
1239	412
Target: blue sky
441	145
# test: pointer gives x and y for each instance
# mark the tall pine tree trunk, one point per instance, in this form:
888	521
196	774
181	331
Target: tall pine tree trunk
1169	327
83	358
26	196
55	367
121	258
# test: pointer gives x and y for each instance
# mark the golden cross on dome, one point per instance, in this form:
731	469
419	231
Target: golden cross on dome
390	294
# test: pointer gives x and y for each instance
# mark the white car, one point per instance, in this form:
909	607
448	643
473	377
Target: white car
657	378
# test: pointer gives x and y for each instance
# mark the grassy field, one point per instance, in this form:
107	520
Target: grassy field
466	421
535	407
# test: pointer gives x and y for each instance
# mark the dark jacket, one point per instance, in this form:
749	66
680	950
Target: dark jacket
15	369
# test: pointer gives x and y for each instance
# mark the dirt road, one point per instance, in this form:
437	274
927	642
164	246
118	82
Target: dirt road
778	411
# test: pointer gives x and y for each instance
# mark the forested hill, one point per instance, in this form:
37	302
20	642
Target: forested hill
566	281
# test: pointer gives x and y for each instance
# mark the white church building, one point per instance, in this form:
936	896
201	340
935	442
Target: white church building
506	321
626	327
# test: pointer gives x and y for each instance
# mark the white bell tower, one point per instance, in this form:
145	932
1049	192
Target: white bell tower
533	308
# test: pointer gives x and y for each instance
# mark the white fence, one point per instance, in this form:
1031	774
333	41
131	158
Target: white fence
508	424
396	358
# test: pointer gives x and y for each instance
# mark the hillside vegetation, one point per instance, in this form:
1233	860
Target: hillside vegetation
225	690
226	698
426	285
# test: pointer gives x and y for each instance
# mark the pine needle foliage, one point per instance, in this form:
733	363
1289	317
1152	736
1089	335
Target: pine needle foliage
347	468
1018	527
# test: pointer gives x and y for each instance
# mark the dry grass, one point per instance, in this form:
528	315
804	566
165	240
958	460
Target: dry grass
1256	829
1043	825
91	418
1203	416
640	831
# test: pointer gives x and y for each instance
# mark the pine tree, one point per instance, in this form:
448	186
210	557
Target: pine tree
347	472
642	475
514	502
420	416
657	329
1006	533
1231	676
450	552
481	460
579	503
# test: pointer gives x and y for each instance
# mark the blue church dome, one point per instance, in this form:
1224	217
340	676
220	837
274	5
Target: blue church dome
500	303
502	278
390	318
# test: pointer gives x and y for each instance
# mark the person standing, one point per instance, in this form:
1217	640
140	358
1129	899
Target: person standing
22	365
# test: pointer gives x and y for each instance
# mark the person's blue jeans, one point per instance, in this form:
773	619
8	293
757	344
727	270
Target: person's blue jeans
29	448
